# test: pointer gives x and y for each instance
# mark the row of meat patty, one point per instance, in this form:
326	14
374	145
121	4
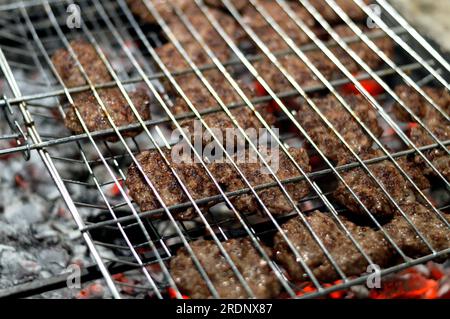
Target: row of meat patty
388	201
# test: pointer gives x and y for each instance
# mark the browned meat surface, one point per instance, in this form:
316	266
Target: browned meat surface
257	174
86	103
343	122
192	174
418	105
253	268
118	108
303	75
432	119
349	7
164	9
202	26
427	222
266	33
203	100
296	68
437	156
370	194
338	244
385	44
238	4
415	172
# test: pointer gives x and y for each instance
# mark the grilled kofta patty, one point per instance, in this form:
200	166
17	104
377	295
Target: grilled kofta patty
258	174
335	240
164	9
198	183
437	156
349	7
192	174
433	120
368	191
385	44
267	34
86	103
238	4
303	75
253	268
203	100
203	27
427	223
418	105
116	105
342	121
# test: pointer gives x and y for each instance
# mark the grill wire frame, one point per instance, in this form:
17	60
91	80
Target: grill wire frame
34	140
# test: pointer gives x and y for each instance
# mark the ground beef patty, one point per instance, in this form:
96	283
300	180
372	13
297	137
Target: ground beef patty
418	105
370	194
437	156
117	106
303	75
385	44
267	34
193	175
238	4
257	174
164	9
253	268
433	120
340	247
203	101
427	222
343	122
86	103
349	7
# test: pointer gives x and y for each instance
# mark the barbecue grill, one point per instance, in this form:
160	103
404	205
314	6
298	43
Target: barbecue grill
89	171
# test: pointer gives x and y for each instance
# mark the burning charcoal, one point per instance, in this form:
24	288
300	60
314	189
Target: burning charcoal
253	268
337	243
256	174
427	222
86	103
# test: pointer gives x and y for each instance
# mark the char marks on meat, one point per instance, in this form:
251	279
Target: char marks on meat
86	103
336	241
253	268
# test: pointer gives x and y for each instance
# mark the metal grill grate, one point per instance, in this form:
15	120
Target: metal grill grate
32	31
